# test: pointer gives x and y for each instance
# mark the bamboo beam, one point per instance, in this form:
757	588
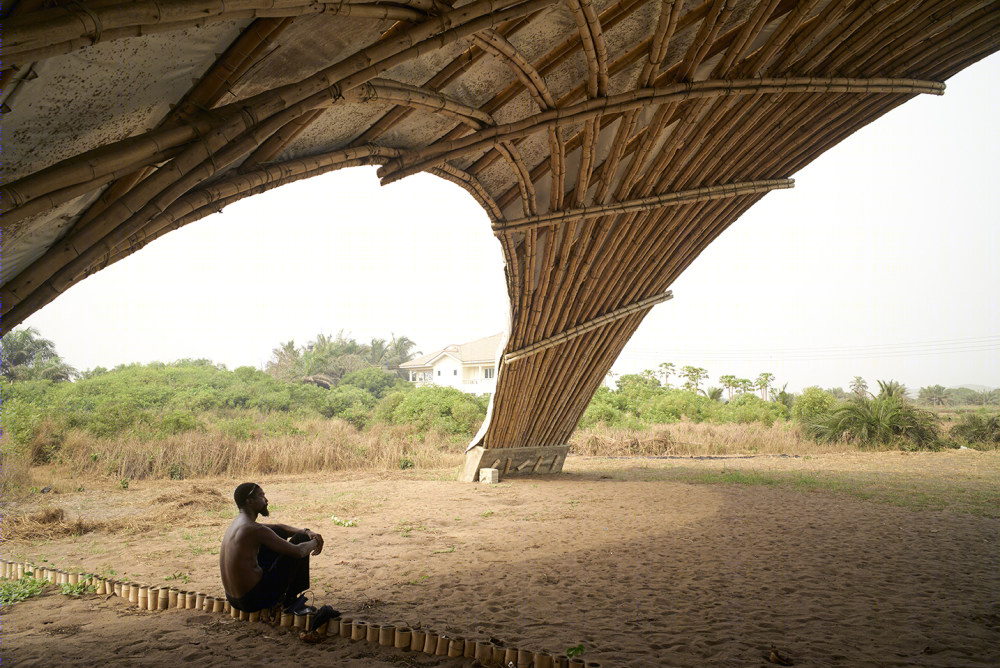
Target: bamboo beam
207	156
644	204
416	161
586	327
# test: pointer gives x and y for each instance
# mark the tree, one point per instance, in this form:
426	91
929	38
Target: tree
666	370
378	352
859	386
763	383
744	385
935	395
714	393
25	355
694	376
729	382
891	388
650	375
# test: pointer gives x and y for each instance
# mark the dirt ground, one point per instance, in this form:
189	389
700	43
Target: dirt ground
886	559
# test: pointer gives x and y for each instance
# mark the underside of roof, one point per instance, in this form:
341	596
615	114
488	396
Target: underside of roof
609	142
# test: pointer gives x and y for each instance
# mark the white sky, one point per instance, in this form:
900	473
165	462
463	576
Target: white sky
883	262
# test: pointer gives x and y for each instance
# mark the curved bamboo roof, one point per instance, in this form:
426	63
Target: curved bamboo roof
609	141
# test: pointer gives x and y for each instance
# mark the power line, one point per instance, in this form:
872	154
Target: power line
896	349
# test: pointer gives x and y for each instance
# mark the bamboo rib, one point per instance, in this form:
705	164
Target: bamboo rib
644	204
481	16
417	160
589	326
53	199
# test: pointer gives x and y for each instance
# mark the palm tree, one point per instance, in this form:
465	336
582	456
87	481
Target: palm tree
667	370
763	383
729	382
377	352
891	388
714	393
859	386
694	377
935	395
400	351
25	355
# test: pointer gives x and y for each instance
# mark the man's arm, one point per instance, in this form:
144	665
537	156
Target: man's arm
271	539
282	530
286	532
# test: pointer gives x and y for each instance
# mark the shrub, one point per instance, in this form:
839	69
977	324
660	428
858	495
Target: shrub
884	420
374	380
978	429
748	408
351	404
812	406
442	409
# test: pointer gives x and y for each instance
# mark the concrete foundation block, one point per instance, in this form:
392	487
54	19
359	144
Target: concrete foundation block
489	476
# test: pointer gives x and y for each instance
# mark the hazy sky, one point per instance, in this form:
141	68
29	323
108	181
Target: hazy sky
883	262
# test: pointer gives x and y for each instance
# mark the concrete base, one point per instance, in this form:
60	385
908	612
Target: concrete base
514	461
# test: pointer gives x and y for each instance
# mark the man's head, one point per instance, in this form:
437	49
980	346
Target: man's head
250	493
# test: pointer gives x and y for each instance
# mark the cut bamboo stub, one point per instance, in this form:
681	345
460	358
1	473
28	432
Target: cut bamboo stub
386	635
345	627
359	631
402	639
456	647
372	634
430	642
416	640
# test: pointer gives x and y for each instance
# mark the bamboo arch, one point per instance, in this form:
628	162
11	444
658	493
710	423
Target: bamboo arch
609	141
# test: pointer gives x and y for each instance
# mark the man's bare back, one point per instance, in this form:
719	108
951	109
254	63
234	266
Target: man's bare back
239	555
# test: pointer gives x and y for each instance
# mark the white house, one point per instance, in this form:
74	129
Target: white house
468	367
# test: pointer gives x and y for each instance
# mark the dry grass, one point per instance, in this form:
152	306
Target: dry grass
318	445
699	439
170	510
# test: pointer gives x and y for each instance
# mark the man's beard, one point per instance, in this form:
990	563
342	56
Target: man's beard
265	512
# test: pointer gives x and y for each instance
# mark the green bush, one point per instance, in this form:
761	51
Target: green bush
748	408
812	406
442	409
978	429
886	420
178	422
350	403
373	380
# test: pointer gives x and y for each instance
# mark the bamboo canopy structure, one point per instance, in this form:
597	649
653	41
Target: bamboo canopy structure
609	141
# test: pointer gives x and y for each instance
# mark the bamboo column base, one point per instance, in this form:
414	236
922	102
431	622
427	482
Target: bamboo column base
514	461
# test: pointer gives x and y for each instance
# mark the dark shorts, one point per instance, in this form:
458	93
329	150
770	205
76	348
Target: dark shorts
283	579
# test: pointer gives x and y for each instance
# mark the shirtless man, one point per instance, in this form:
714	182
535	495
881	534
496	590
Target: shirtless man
260	568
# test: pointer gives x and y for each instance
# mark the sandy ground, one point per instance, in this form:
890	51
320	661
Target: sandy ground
836	560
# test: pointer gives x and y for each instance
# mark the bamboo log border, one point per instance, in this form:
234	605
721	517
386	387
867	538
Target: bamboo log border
390	636
586	327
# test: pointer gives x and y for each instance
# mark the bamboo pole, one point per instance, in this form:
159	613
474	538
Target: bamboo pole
589	326
644	204
418	160
63	271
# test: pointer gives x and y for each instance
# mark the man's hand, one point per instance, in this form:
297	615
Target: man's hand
319	541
